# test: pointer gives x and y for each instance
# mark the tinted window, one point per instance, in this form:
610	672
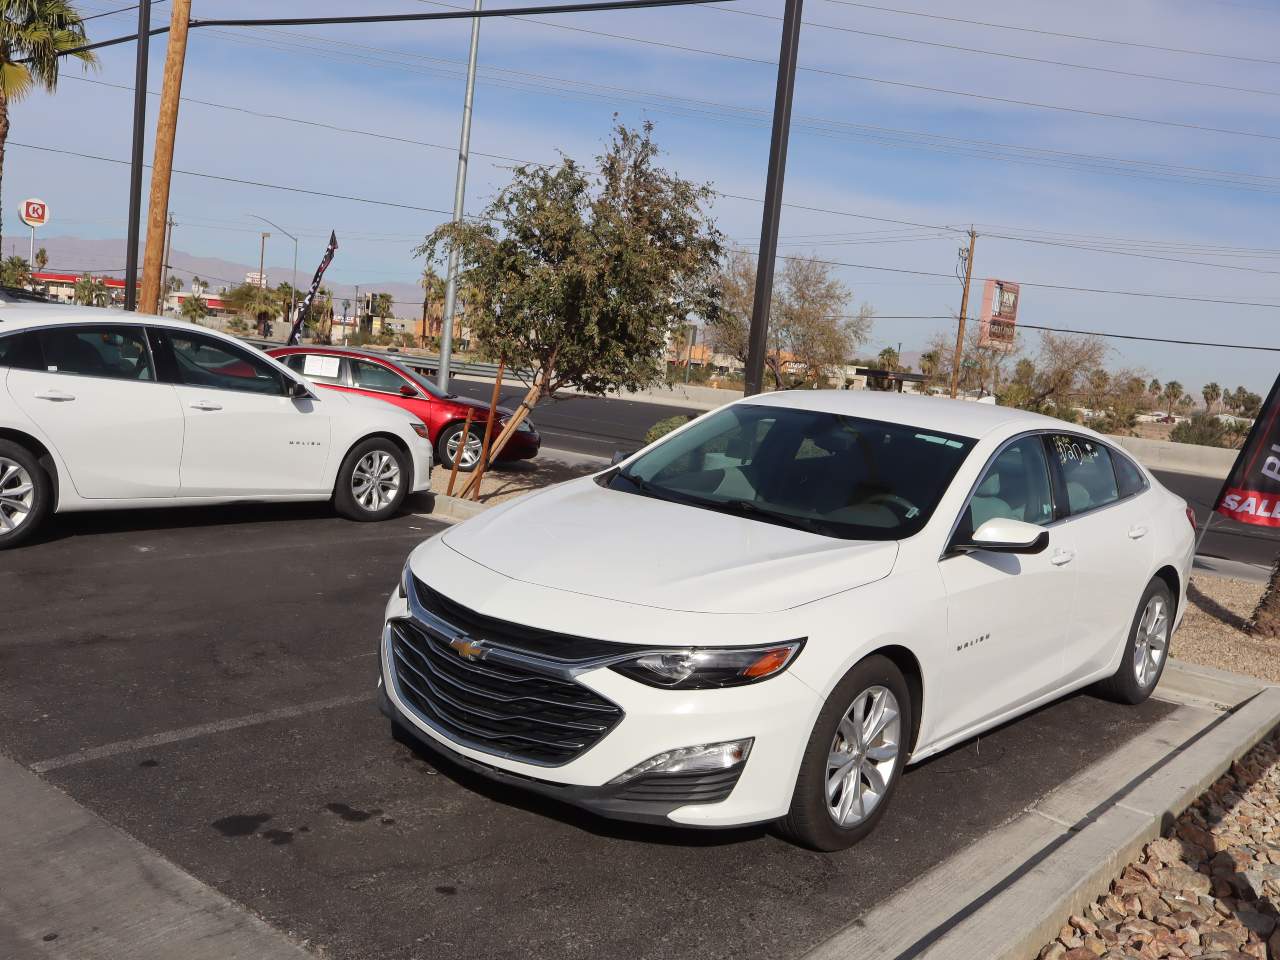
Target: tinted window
1087	472
203	361
1015	487
1129	479
374	376
20	351
834	475
119	353
316	366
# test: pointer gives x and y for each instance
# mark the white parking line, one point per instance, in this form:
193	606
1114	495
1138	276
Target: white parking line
200	730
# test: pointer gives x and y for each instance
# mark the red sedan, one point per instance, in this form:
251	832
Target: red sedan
445	414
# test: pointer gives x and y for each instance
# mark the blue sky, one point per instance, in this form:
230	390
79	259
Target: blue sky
859	146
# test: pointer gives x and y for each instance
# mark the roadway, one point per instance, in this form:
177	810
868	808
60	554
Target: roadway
204	680
599	426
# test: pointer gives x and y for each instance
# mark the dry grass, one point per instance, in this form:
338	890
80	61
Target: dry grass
1212	634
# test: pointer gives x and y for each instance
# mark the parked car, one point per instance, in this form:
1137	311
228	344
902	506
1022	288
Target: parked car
101	409
764	615
386	378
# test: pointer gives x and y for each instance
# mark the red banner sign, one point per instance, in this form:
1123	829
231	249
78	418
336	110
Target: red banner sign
1251	493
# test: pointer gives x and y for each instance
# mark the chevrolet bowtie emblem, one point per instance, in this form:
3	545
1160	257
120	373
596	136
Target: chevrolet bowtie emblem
469	649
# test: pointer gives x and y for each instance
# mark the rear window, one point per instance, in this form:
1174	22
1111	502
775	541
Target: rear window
1087	472
1129	479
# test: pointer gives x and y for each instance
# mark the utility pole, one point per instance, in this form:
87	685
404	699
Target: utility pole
964	307
164	278
262	259
459	199
162	166
139	144
688	363
757	340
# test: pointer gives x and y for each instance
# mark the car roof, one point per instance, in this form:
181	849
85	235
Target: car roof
23	316
336	351
962	418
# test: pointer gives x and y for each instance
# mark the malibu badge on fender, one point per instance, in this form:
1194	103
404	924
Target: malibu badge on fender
1251	493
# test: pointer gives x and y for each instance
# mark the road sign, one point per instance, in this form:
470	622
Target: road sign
34	213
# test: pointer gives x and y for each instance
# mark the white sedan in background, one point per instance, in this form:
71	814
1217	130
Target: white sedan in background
767	613
104	410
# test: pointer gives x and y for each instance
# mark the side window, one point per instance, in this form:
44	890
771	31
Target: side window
374	376
116	353
1087	472
203	361
21	351
1129	479
317	367
1015	487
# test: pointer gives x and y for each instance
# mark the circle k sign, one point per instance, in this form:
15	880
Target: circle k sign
34	213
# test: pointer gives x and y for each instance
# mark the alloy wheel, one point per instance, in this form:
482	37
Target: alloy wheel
376	480
470	453
1152	641
17	495
863	754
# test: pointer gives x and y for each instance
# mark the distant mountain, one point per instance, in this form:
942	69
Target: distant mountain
81	255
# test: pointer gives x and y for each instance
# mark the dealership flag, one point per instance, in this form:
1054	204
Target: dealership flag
295	335
1251	493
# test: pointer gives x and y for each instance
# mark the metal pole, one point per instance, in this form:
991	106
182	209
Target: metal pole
964	306
164	274
459	199
139	143
31	258
757	341
688	362
293	297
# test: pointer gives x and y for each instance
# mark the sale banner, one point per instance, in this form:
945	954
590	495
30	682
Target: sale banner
295	335
1251	493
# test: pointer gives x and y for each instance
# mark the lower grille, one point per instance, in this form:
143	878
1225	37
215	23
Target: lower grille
499	708
682	787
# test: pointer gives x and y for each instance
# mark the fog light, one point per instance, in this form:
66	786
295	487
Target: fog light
704	758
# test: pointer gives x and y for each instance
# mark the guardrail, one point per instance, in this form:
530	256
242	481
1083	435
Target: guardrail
413	361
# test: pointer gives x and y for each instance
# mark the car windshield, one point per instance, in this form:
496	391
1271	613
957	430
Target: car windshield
418	379
833	475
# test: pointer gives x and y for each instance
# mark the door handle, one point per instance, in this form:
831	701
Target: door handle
1137	533
57	396
1062	558
205	405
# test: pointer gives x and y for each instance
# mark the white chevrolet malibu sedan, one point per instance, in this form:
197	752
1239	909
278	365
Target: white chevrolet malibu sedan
768	613
101	409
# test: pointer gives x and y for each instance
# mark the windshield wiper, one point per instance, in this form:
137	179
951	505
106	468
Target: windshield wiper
751	508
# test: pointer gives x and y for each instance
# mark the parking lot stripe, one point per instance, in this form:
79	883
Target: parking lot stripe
199	730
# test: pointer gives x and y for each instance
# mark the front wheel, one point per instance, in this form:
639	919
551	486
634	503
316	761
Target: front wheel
1146	650
373	481
854	758
447	448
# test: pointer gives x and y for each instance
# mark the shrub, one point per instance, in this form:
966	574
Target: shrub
1203	430
663	427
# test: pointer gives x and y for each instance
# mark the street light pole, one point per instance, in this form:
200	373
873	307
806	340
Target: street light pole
459	199
293	297
139	143
757	339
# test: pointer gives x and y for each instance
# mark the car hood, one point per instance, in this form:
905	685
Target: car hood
584	538
479	406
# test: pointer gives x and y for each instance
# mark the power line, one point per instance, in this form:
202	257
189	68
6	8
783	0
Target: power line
112	13
1050	33
1009	56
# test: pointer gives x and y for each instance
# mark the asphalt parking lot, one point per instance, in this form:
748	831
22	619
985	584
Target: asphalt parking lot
204	680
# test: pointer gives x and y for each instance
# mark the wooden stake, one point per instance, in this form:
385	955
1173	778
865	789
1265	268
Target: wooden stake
462	449
162	166
483	465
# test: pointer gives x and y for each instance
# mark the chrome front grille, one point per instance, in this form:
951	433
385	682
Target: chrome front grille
504	708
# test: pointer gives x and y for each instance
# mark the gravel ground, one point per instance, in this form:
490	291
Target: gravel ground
504	481
1209	889
1210	634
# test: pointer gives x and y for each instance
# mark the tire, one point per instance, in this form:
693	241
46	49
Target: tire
449	437
26	494
811	821
373	480
1147	649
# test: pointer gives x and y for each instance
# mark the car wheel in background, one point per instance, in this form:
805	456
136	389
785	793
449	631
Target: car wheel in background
854	759
450	440
373	480
26	495
1147	648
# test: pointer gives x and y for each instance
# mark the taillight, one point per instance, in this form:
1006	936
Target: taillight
1191	518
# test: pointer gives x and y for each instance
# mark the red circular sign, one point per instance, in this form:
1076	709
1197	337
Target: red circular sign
34	213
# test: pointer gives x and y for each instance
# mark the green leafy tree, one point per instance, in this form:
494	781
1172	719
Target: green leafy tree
1212	393
33	36
256	305
91	291
194	308
1203	429
15	272
578	276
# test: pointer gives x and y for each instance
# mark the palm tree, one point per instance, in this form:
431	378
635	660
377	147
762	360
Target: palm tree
33	35
433	289
90	291
1212	393
15	272
257	304
194	309
1153	388
1172	394
42	259
383	305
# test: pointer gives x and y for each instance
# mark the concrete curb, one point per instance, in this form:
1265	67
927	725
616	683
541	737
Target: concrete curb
1010	894
441	507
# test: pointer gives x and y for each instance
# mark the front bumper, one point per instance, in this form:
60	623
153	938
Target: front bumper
778	714
521	446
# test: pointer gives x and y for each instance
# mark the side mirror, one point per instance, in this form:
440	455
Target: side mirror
299	391
1001	535
618	457
408	391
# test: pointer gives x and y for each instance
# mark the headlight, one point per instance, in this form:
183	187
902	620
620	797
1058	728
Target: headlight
709	667
526	425
705	758
406	583
420	429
